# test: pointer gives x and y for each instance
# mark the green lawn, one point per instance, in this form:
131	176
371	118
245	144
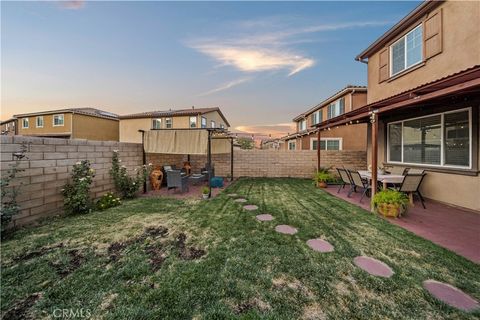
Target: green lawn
216	261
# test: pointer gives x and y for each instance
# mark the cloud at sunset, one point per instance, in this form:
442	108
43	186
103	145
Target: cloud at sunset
72	4
225	86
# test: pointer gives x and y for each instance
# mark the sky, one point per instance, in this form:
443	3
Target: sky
262	63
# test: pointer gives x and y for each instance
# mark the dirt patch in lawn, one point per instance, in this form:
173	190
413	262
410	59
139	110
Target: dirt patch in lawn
76	260
190	253
20	310
313	312
283	282
157	256
115	249
37	253
255	303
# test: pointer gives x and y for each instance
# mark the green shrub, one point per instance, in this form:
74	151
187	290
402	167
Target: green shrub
322	177
205	190
8	205
390	196
76	194
125	184
108	200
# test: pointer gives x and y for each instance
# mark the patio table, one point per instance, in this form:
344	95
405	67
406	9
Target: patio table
385	179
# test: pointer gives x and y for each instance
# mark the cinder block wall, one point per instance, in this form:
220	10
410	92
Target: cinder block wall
48	165
268	163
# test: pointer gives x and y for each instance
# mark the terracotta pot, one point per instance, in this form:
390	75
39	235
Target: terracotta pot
390	210
321	184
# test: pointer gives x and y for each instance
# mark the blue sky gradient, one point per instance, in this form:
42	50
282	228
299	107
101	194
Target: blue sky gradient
261	62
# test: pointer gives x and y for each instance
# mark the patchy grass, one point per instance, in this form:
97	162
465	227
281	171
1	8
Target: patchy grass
173	259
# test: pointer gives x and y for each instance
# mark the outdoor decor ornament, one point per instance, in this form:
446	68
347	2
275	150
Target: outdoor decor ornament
156	178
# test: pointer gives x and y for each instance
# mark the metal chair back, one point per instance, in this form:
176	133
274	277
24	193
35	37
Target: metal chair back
357	179
174	179
416	171
398	171
344	176
411	182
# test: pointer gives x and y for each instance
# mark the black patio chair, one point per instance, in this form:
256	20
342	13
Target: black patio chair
358	182
346	180
175	180
411	184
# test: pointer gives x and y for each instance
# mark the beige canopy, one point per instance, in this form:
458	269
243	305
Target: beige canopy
183	142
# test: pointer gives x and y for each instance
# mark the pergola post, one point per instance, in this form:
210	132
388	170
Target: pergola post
318	150
209	161
374	160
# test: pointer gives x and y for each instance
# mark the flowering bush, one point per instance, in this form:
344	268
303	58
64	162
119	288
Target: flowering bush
108	200
76	193
127	185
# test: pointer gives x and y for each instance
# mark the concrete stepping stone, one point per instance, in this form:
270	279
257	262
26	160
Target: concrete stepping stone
264	217
320	245
285	229
451	295
250	207
233	195
242	200
373	266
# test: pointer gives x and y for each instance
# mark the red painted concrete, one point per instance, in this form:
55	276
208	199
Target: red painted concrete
193	192
285	229
451	295
373	266
320	245
250	207
264	217
449	227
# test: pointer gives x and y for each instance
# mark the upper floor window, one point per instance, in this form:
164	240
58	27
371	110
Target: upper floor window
25	123
292	145
212	124
168	123
222	126
156	123
40	122
204	122
302	125
58	120
442	139
193	122
407	51
317	117
336	108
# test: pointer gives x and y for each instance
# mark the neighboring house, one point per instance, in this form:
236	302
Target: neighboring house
9	127
272	144
424	97
72	123
353	137
172	119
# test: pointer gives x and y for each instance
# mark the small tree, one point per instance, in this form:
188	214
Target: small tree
77	193
125	184
245	143
8	205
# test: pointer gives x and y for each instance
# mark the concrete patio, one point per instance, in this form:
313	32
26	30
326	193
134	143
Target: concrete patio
450	227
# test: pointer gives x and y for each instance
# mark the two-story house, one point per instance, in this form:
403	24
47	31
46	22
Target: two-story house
73	123
424	99
353	137
9	127
171	119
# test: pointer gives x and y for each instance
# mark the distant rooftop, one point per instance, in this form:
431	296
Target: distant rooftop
85	111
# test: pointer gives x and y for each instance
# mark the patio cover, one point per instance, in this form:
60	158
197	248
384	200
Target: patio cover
183	142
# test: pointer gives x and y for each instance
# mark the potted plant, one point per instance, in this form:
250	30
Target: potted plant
390	203
321	179
205	192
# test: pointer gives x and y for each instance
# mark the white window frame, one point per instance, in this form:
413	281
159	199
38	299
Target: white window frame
195	120
404	38
302	125
169	122
159	120
222	126
212	124
202	123
340	143
23	123
36	122
63	120
442	140
294	143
